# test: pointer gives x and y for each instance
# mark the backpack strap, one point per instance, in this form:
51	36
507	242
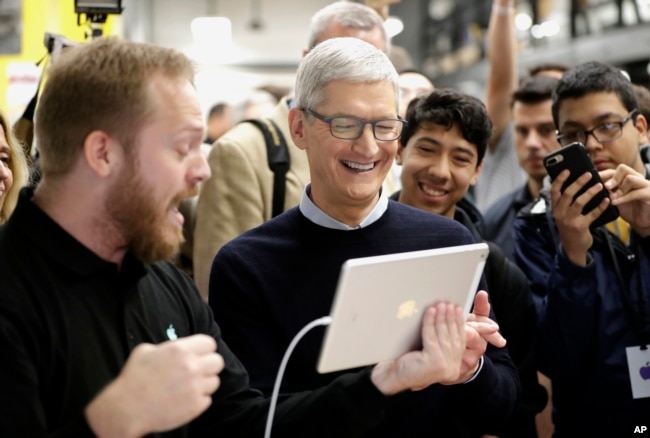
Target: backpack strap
277	154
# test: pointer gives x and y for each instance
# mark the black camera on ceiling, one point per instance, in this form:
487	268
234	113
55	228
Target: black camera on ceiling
96	13
89	7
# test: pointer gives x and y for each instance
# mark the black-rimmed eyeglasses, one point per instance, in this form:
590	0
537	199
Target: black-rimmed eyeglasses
351	128
602	133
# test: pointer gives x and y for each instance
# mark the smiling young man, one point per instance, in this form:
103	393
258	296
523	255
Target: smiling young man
449	133
270	282
440	151
595	322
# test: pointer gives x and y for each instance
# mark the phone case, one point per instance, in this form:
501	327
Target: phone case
574	157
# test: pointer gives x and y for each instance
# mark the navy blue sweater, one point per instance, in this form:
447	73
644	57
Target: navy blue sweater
270	282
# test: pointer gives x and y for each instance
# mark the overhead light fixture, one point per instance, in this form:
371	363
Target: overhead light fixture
546	29
212	31
523	21
212	38
440	9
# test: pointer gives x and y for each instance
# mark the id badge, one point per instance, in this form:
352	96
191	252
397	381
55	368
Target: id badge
638	364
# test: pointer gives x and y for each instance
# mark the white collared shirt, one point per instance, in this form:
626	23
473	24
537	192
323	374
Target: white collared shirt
319	217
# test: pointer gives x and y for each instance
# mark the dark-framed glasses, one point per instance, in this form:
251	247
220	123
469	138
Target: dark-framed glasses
602	133
351	128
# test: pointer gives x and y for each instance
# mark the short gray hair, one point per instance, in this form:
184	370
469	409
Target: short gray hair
349	15
341	59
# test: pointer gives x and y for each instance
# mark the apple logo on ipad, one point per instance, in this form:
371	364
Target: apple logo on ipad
406	310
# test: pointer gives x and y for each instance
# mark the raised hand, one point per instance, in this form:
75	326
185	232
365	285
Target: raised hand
161	387
480	330
572	225
480	321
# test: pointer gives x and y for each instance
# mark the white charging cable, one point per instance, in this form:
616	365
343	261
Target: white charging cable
325	320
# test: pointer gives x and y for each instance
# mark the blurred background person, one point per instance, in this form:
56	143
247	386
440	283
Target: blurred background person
534	138
219	121
13	169
399	56
221	118
412	83
501	171
552	69
255	104
643	96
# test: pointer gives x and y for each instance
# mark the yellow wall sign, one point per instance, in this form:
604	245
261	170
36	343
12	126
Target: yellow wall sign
19	75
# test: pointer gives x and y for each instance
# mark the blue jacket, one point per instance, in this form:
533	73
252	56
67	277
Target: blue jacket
499	219
584	323
513	304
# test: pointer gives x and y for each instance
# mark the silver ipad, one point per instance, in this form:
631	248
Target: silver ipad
379	302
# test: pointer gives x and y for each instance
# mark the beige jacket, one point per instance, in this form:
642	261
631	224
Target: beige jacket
239	194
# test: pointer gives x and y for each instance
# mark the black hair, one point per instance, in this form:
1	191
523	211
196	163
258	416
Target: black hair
643	98
414	70
217	109
538	69
534	89
593	77
447	107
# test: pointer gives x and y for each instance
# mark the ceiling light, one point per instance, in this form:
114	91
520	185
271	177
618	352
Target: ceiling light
523	21
212	39
393	26
208	31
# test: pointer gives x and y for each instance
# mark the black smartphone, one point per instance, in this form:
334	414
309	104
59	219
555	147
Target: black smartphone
574	157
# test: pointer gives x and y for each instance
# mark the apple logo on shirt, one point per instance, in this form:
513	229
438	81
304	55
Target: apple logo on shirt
171	335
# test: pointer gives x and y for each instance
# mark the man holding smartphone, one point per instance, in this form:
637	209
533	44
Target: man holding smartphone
574	157
595	324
